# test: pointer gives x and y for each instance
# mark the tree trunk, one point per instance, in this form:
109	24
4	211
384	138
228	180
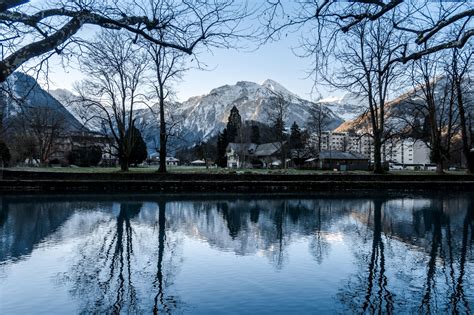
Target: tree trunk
439	167
466	145
283	155
378	169
124	164
437	155
162	168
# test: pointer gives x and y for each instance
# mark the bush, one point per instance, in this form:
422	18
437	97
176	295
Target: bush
4	154
85	156
470	163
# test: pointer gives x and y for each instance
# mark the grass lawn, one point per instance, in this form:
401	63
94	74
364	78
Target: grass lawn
203	170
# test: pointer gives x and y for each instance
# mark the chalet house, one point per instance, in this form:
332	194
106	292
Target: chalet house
170	161
66	143
252	155
342	161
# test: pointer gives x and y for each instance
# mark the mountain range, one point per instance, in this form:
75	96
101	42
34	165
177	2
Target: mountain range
204	116
21	91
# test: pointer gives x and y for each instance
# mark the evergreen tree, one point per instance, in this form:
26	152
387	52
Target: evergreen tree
234	124
222	142
255	134
296	139
279	129
139	151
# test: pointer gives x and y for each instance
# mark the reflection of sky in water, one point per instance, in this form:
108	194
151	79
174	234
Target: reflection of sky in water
226	255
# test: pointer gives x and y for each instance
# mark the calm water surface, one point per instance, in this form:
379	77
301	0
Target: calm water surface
210	254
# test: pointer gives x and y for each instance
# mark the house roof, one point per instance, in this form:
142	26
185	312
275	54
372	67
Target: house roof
264	149
340	155
168	158
198	162
267	149
241	147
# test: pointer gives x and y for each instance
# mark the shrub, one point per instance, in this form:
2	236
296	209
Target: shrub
4	154
85	156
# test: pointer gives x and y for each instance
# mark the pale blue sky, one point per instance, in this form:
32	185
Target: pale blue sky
227	66
274	61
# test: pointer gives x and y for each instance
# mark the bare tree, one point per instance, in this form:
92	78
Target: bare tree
318	122
39	131
424	23
174	133
437	93
168	66
29	30
366	56
459	70
277	115
116	69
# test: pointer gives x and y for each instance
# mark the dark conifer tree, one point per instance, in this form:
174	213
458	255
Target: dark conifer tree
222	142
255	134
296	139
234	124
279	129
139	151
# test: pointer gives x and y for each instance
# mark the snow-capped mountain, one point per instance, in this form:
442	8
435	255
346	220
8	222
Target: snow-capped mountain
206	115
348	107
21	91
69	101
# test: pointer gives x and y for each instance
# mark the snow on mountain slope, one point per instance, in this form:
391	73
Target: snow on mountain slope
207	114
22	91
347	107
67	98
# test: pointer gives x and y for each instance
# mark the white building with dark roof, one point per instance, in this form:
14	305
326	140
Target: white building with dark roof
248	154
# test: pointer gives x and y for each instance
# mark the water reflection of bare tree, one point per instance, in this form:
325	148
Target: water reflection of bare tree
436	243
447	259
120	269
378	299
433	219
458	296
162	302
319	246
103	278
371	293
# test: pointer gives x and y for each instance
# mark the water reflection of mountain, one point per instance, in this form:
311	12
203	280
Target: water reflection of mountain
253	226
128	249
25	224
244	225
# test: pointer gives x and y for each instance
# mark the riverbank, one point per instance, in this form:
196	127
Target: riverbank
18	181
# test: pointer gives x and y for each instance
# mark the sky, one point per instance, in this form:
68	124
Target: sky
275	61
